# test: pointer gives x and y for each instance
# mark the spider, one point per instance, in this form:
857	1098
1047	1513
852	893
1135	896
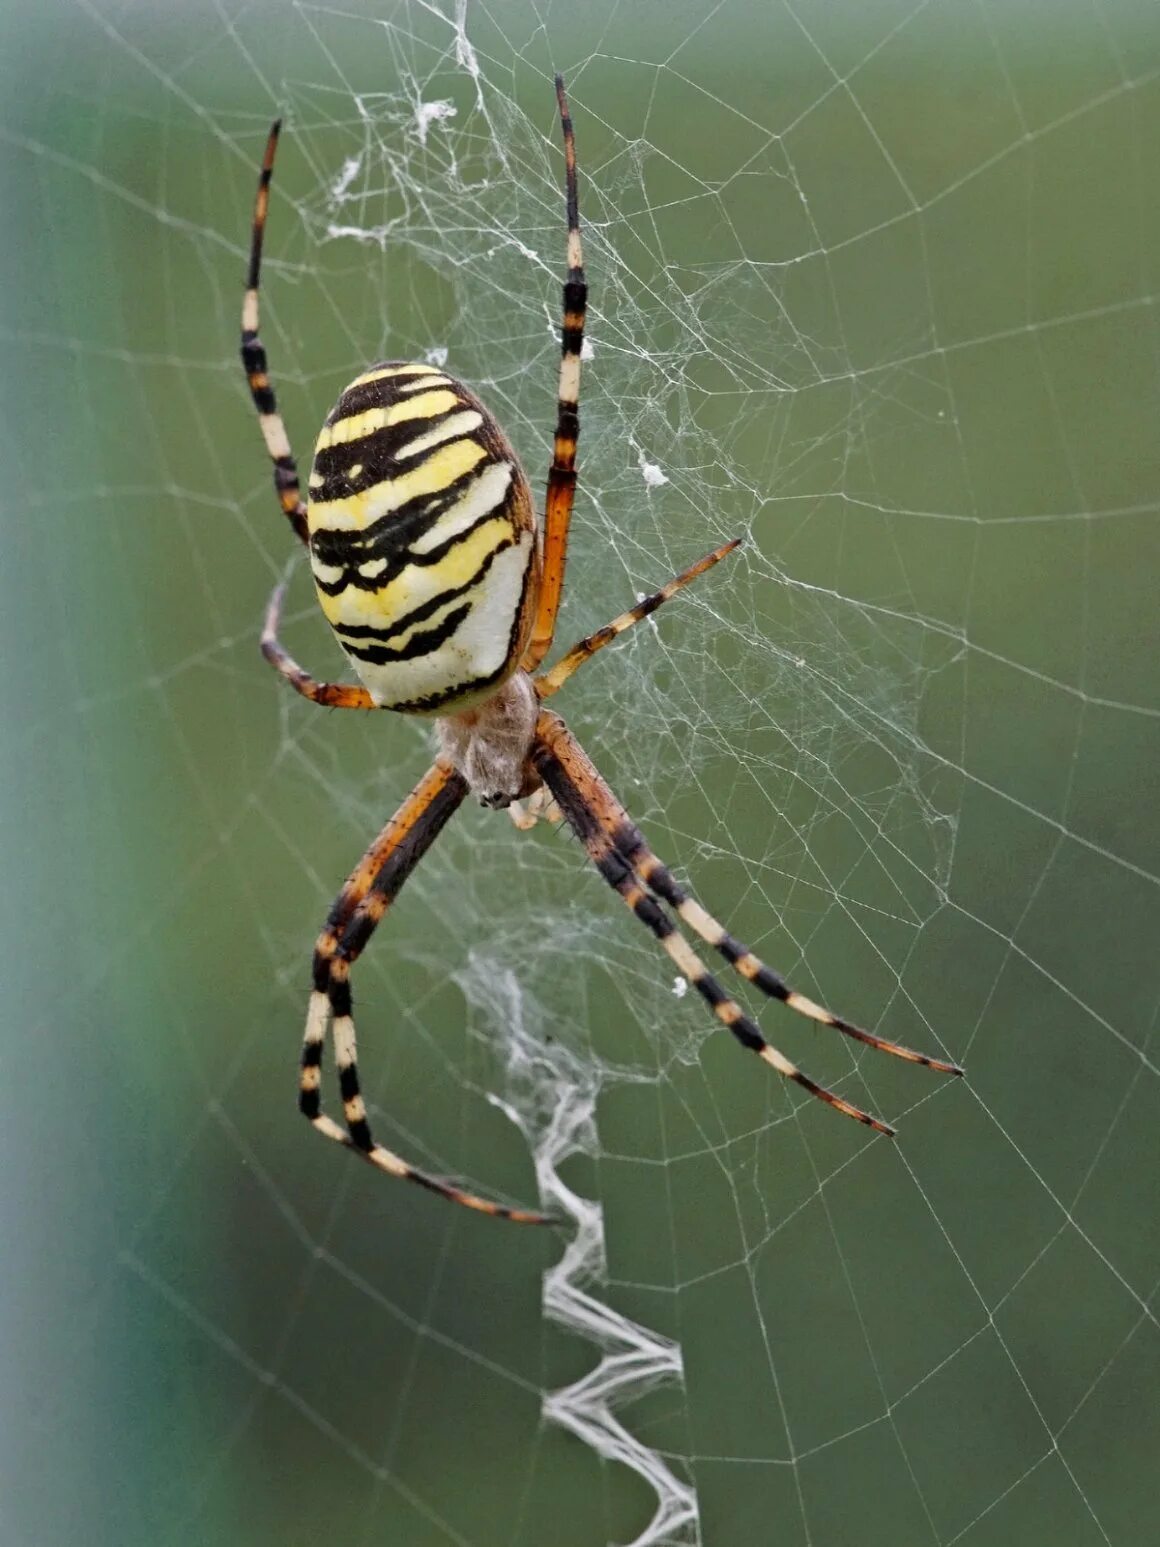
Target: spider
443	590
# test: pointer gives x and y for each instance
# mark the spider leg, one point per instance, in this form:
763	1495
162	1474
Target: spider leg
334	695
365	898
589	807
254	360
628	841
549	682
562	472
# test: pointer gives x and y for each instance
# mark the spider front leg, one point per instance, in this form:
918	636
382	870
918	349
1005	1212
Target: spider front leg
562	472
357	911
286	484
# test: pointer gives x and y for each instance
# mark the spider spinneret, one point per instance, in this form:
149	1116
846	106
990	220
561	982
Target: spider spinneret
442	589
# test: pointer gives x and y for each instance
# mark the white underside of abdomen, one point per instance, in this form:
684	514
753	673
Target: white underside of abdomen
474	654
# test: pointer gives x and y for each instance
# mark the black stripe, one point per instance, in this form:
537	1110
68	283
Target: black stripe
629	839
765	978
614	869
709	989
259	227
391	536
348	1087
376	454
773	984
377	451
420	643
653	915
416	615
253	355
742	1028
382	393
428	703
360	1135
384	538
340	1000
394	549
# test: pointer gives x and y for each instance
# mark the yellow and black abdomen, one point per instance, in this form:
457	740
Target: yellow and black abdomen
422	539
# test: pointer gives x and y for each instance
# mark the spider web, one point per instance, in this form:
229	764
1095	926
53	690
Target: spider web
873	286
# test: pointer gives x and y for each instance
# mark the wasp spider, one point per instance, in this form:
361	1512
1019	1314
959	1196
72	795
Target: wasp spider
443	591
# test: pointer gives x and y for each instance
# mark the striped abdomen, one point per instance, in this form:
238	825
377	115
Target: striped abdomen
422	539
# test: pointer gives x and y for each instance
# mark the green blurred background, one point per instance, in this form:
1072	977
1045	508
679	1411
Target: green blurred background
873	284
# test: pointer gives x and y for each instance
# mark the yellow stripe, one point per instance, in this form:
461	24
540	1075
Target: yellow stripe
452	425
392	370
437	379
433	474
354	427
417	584
481	497
424	405
357	426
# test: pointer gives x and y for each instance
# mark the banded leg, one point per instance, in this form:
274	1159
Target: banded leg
549	682
354	891
254	360
582	794
628	841
562	473
333	695
361	905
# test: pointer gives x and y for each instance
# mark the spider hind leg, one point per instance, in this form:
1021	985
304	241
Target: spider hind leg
254	362
597	818
629	842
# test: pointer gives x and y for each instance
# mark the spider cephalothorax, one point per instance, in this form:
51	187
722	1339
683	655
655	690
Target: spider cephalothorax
439	585
490	745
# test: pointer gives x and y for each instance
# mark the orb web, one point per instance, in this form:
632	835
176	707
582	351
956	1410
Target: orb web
872	288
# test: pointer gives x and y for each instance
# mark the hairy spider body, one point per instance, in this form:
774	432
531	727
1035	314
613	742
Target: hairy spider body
491	745
443	590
